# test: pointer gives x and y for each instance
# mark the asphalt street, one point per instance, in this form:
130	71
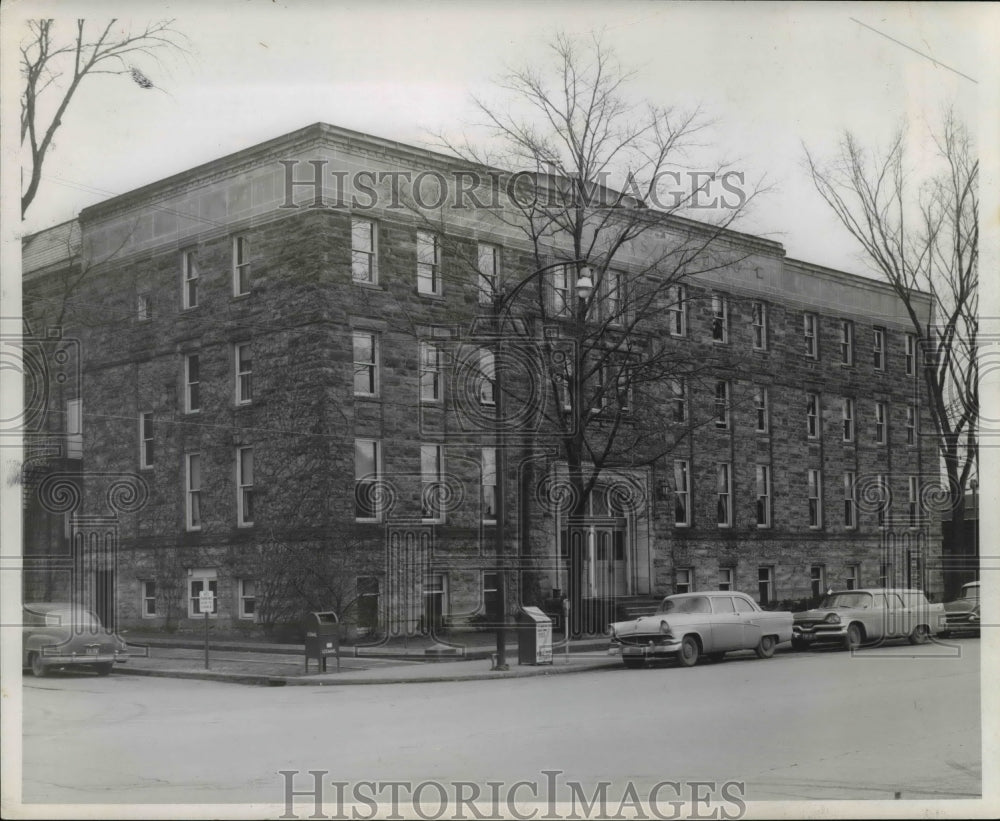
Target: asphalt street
897	721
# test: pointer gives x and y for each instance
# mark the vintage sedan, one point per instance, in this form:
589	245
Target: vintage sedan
59	634
688	625
850	618
962	614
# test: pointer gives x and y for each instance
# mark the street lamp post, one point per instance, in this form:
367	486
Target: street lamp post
502	301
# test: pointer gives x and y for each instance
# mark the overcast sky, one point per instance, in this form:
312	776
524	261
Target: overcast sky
772	75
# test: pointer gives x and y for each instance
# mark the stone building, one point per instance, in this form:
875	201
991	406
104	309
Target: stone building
283	392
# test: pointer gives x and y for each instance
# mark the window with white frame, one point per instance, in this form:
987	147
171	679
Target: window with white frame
561	292
144	307
721	404
611	303
367	588
431	478
192	383
682	493
878	348
724	494
489	485
148	599
487	377
683	580
913	500
367	472
815	480
366	379
489	269
200	580
817	579
189	279
884	573
74	429
241	266
853	579
364	262
248	598
244	486
765	585
759	325
850	501
147	452
678	389
910	356
430	372
911	424
192	482
847	414
763	496
677	310
812	415
243	359
846	342
881	433
428	263
809	322
720	318
882	500
760	408
726	578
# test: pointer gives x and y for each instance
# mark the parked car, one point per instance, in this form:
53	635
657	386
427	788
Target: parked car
688	625
850	618
962	614
59	634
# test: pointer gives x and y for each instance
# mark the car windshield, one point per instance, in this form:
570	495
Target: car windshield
858	600
684	604
971	592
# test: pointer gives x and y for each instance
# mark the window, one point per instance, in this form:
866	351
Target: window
760	405
759	325
198	581
192	479
847	412
880	427
882	500
428	263
724	492
489	485
192	384
189	271
809	331
683	580
878	348
846	342
489	267
561	299
726	578
678	388
682	493
146	446
720	318
244	486
763	496
623	376
487	378
913	500
722	405
911	355
430	372
884	571
364	266
677	311
853	580
365	364
812	415
491	596
241	266
248	598
850	503
911	424
144	307
817	578
244	373
368	602
367	472
611	306
815	499
431	478
74	429
147	608
765	585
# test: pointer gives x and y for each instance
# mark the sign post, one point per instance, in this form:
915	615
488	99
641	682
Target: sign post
206	603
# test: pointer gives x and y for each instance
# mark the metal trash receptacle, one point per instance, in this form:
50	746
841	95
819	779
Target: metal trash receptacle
322	631
534	637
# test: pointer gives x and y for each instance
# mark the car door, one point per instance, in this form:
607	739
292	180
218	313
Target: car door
727	626
750	621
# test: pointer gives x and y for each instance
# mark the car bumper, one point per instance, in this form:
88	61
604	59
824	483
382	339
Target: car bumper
834	633
646	651
66	660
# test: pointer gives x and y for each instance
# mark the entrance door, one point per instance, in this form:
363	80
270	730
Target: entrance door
434	602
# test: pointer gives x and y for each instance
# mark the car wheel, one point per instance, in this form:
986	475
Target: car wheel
38	670
104	668
799	644
688	654
852	641
919	635
765	647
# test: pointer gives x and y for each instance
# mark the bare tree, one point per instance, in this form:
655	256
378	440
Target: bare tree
53	69
922	237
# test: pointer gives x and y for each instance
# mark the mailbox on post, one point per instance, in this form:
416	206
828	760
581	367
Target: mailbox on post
534	637
322	638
